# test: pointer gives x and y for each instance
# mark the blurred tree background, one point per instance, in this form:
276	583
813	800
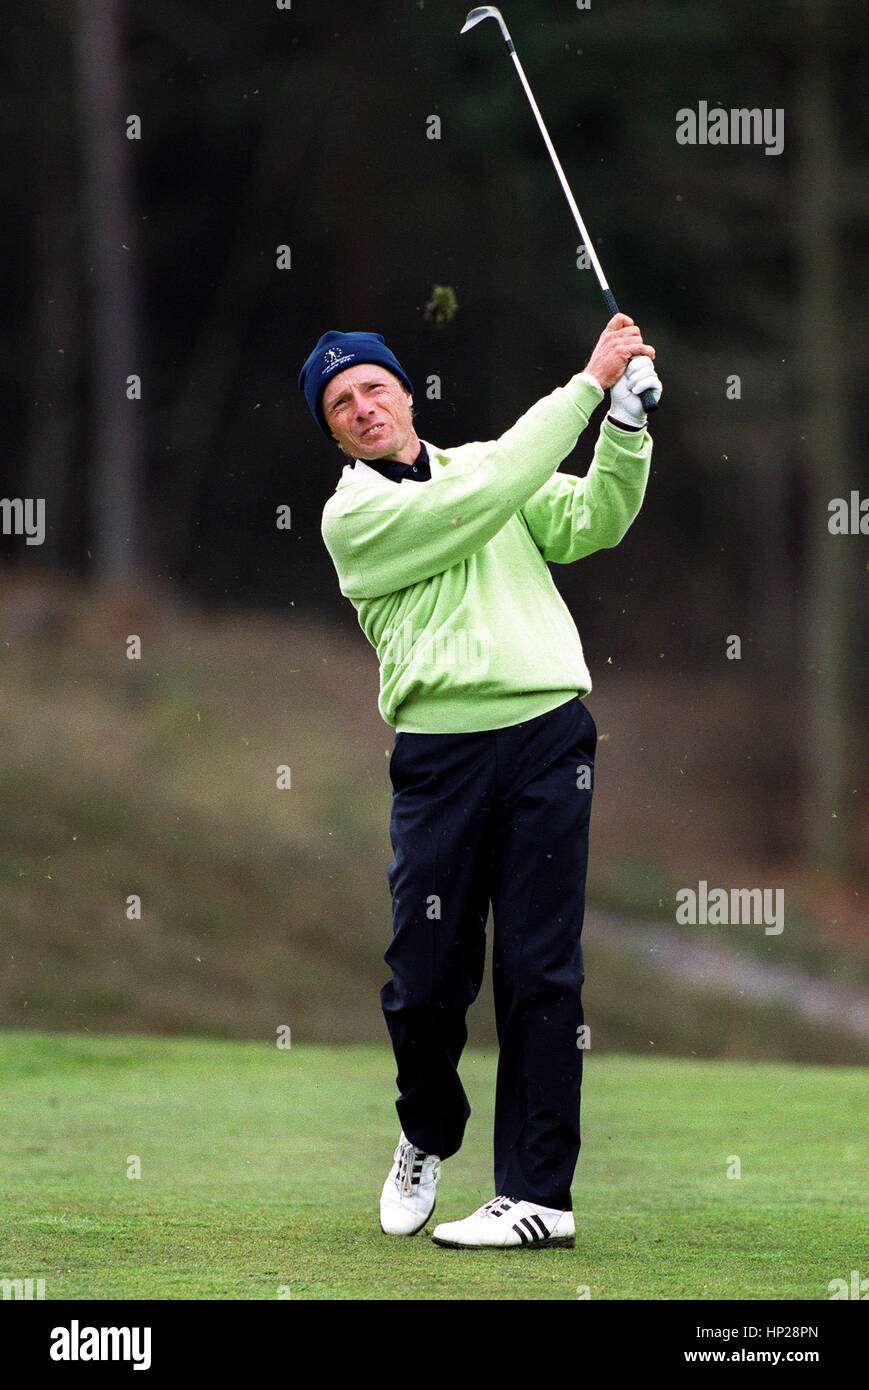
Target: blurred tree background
159	156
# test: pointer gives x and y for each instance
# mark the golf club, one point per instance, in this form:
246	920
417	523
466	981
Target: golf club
649	397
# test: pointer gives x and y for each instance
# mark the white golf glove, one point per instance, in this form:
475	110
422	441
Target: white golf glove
626	408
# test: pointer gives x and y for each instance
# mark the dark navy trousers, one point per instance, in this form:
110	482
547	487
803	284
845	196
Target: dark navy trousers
499	817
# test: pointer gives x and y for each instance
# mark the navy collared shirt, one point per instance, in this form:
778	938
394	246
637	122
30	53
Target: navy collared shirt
417	472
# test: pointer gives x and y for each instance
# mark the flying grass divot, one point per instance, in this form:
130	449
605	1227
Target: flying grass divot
443	305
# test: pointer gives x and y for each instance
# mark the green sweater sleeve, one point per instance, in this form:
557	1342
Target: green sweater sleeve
383	538
570	517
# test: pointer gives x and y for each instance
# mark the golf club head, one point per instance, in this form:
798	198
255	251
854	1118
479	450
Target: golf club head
486	12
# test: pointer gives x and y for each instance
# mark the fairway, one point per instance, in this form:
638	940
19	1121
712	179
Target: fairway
261	1169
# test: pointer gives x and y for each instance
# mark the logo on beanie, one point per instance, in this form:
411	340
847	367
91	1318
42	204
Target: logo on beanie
334	356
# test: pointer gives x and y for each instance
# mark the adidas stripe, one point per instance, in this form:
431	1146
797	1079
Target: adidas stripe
528	1232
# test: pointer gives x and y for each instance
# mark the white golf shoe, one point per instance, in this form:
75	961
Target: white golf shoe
507	1223
408	1197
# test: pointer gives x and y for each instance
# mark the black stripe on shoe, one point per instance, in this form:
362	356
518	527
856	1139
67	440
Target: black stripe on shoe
532	1230
523	1235
544	1230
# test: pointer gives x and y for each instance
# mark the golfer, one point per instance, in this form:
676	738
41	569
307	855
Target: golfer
444	553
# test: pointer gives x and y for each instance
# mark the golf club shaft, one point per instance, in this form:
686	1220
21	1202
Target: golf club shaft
648	397
571	201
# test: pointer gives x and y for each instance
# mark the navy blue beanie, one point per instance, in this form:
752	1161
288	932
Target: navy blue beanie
334	353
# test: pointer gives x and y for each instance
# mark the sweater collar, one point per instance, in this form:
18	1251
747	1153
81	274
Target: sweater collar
417	472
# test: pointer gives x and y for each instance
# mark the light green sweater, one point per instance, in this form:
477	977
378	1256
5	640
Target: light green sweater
450	578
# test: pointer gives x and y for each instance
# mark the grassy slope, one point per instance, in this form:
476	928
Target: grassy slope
262	907
261	1169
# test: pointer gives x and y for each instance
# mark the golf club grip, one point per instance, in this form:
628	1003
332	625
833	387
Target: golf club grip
648	397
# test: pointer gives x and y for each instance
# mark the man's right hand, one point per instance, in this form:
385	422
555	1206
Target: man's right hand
620	341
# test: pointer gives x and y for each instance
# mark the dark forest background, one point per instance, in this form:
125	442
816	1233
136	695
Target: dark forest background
156	257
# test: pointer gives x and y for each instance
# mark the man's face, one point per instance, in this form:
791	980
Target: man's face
369	412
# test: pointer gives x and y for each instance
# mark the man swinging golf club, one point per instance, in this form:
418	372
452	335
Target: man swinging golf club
444	553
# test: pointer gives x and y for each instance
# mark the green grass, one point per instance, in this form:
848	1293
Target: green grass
261	1168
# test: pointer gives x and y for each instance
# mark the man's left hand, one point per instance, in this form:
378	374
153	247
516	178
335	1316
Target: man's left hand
625	404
